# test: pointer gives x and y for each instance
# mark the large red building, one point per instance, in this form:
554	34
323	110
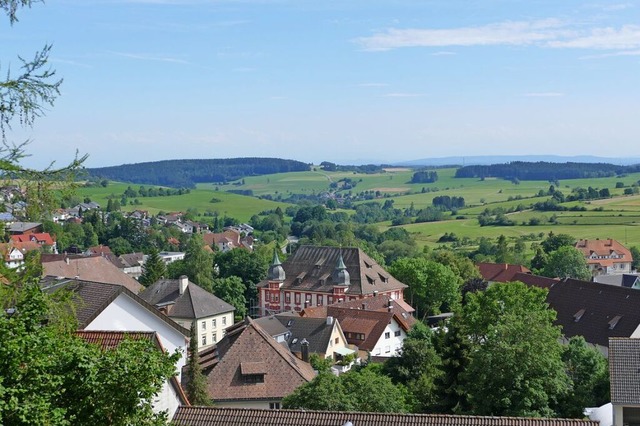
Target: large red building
317	276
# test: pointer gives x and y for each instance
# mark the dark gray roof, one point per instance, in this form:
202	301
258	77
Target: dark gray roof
312	268
213	416
315	330
91	298
623	280
195	302
624	369
132	259
272	326
592	310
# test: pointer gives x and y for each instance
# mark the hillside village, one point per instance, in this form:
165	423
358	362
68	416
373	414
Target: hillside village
332	333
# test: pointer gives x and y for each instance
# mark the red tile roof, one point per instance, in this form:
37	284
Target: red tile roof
604	248
39	237
212	416
500	272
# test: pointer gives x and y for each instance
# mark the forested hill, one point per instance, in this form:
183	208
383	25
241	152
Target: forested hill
186	173
545	170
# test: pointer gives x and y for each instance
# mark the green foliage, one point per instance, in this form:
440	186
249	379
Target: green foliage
49	376
515	352
455	358
153	269
198	263
251	267
567	262
433	288
358	390
196	388
588	371
554	241
231	290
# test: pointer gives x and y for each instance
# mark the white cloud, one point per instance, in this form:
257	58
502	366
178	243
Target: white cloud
627	37
551	33
608	55
504	33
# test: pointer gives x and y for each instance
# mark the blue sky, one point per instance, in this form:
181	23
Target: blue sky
345	81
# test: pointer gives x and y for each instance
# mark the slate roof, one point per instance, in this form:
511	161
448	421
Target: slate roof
592	310
91	298
20	227
272	326
194	303
312	268
284	372
624	370
624	280
500	272
92	268
315	330
132	259
212	416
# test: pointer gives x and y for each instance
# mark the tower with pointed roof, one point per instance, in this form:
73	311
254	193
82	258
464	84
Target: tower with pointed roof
275	277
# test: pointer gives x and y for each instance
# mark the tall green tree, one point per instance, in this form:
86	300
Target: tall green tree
251	267
567	262
153	269
231	290
196	381
433	288
515	352
198	262
455	357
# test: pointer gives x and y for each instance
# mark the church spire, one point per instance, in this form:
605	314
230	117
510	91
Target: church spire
340	273
276	271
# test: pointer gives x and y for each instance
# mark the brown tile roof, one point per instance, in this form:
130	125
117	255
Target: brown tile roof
500	272
194	303
284	372
311	268
603	248
212	416
592	310
92	268
624	370
91	298
368	316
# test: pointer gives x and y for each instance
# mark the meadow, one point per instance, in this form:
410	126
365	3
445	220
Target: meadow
617	217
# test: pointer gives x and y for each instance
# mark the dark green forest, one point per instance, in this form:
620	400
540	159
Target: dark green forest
543	170
186	173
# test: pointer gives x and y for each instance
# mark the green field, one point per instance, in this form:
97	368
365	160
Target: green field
232	205
617	217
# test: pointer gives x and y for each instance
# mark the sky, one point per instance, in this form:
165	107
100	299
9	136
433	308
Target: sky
348	81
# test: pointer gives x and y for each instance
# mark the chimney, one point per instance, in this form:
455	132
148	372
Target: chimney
375	293
304	348
66	259
329	320
183	282
364	306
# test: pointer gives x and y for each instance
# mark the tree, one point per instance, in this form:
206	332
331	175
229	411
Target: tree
567	262
153	269
433	288
231	290
324	392
553	242
49	376
251	267
196	381
515	352
635	254
198	262
588	371
455	358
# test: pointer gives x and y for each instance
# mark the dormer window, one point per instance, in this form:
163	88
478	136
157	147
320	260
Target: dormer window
253	372
614	322
578	315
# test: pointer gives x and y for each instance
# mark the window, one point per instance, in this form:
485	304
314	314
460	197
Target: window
387	349
329	300
337	340
214	338
204	340
387	335
204	325
320	300
308	297
287	297
274	406
397	333
297	298
224	320
213	323
253	378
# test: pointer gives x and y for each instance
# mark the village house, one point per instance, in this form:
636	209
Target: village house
249	369
100	306
187	303
317	276
500	272
606	257
624	371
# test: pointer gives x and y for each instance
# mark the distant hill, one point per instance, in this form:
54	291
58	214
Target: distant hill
186	173
500	159
542	170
